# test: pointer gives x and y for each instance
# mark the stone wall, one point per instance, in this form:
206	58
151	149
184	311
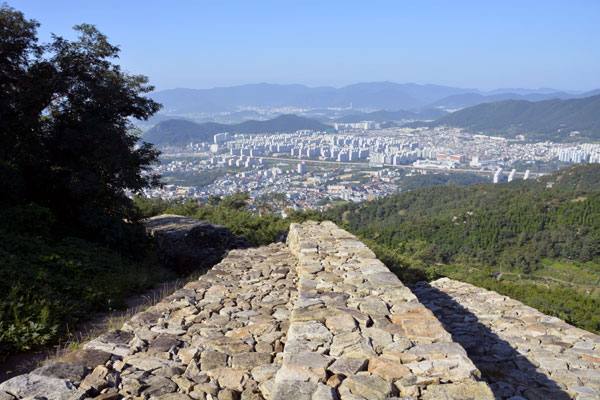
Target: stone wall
321	319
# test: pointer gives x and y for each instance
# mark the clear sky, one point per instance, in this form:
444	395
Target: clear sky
482	44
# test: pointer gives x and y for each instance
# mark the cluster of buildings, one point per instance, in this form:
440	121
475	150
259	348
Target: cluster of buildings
304	189
586	152
364	125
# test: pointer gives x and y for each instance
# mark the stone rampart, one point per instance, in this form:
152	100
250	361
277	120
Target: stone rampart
320	318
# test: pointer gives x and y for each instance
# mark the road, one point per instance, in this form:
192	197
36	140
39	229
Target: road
465	170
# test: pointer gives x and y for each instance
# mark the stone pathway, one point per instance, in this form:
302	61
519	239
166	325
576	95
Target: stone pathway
521	352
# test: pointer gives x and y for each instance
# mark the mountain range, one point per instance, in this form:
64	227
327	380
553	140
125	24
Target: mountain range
369	96
364	97
181	132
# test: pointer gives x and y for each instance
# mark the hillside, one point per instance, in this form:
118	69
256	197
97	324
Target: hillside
463	100
578	178
179	132
489	221
400	115
542	120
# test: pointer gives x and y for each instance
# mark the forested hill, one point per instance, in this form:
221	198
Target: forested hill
517	224
179	132
581	177
542	120
400	115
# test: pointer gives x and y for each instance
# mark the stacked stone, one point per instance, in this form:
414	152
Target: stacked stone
358	333
521	352
220	337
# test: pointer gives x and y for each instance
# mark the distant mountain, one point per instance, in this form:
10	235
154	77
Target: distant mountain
464	100
179	132
400	115
523	91
541	120
264	101
371	95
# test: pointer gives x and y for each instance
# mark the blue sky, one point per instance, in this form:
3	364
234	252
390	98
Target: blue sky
482	44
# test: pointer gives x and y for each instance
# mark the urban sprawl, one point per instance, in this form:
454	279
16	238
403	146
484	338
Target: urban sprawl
360	162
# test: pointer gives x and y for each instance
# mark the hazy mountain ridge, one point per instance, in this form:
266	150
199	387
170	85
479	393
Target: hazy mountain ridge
464	100
370	95
180	132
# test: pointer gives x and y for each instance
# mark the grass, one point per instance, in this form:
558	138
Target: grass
580	274
51	284
115	319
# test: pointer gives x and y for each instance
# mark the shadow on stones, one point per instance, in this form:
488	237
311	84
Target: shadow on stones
507	371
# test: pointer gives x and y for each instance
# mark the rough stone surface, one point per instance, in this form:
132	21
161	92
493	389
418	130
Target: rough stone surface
71	372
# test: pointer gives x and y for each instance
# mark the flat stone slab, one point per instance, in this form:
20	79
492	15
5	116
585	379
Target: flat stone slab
32	385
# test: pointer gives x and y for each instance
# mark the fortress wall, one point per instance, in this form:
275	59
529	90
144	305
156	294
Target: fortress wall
320	318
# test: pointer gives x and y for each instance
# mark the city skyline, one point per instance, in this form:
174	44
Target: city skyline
468	44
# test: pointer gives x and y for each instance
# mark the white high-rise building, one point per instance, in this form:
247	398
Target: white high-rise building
526	176
221	137
498	175
301	168
512	174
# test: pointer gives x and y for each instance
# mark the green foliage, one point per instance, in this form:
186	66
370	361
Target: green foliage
513	225
580	177
560	301
69	154
147	207
418	181
231	212
258	230
49	284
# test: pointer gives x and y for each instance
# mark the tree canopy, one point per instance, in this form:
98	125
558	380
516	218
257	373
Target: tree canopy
67	141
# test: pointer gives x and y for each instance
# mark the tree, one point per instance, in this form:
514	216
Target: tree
67	131
20	99
235	201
